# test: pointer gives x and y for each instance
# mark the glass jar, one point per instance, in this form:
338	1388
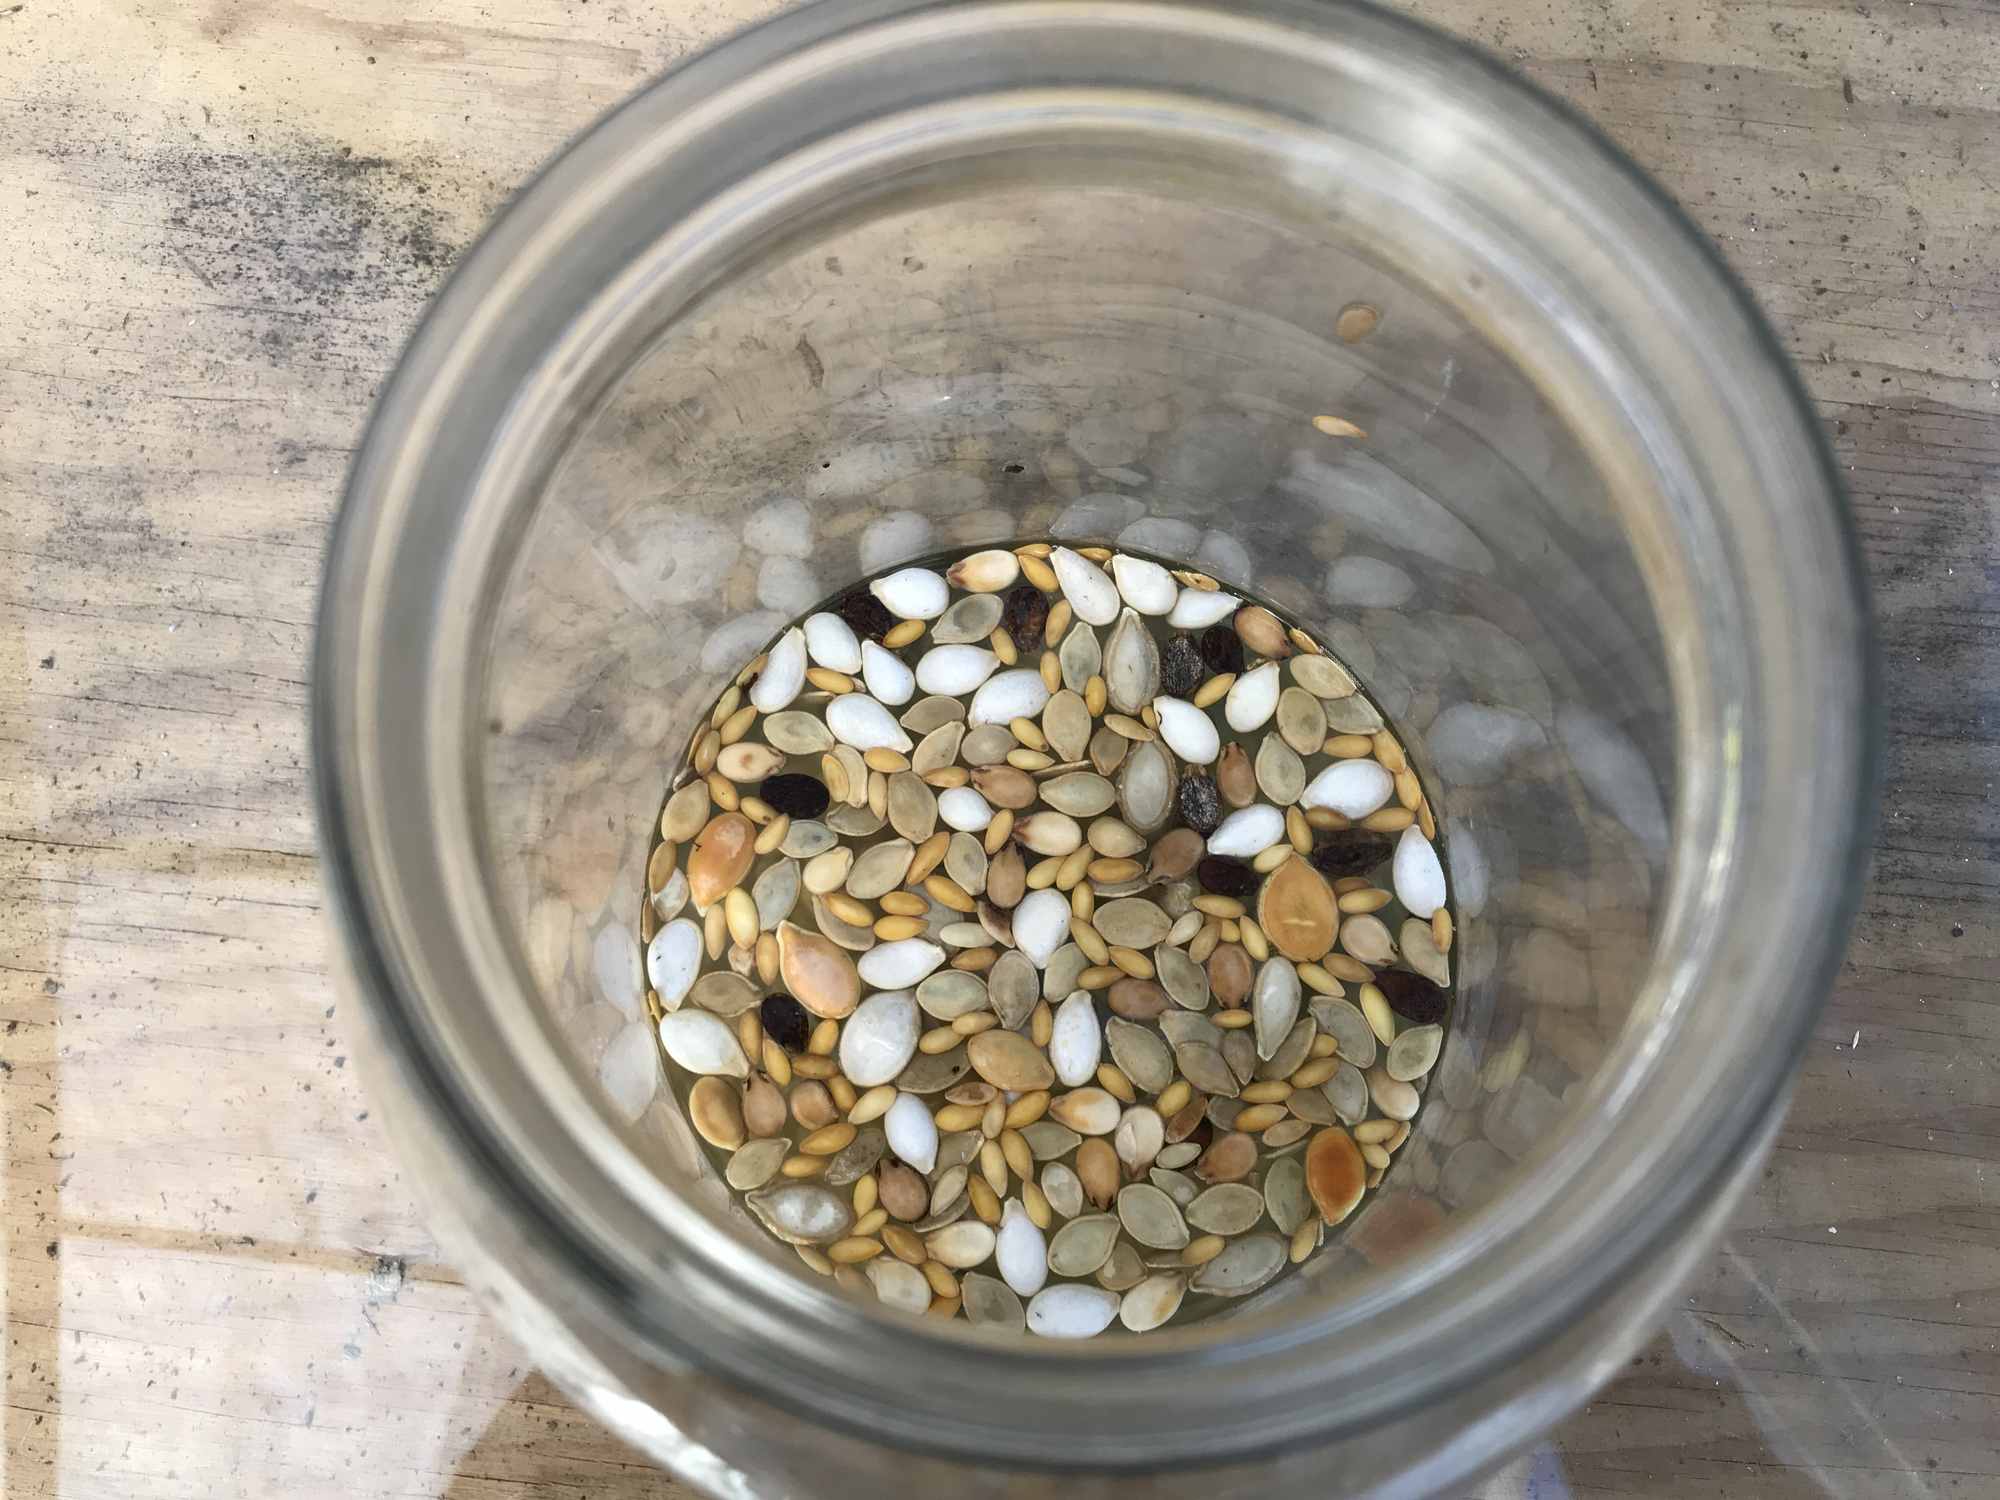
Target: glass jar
880	278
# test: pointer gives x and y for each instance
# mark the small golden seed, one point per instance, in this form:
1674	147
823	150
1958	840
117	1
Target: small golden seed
1039	573
1051	671
723	792
1036	1203
976	960
865	1194
942	1281
1098	976
851	1252
750	1033
1058	623
828	1139
895	929
843	1092
938	1041
947	778
1113	1081
1259	1117
985	1202
815	1259
799	1167
904	904
777	1064
872	1105
958	1116
903	633
1173	1096
905	1244
825	1037
1096	695
854	913
737	724
1132	961
1200	1252
948	892
1002	646
1214	690
1029	733
714	930
1027	1109
1441	929
1231	1020
974	1023
1020	1160
1389	820
998	830
1088	939
1315	1072
1266	1091
1218	906
1041	1023
930	854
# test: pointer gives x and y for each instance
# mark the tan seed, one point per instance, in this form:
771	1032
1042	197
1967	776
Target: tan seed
1041	1024
1323	1046
800	1167
816	1259
872	1105
1214	690
976	1022
938	1041
985	1202
715	1109
660	868
1315	1072
930	854
894	929
1039	573
1441	929
948	892
885	760
1096	695
1001	644
1036	1202
1027	1109
943	1283
1349	746
904	904
1305	1240
1201	1251
1057	626
776	1063
714	931
1232	1020
1132	961
1265	1091
1218	906
1093	945
834	774
1389	820
996	836
1426	821
903	633
905	1244
1259	1116
1097	976
852	1251
1172	1097
1113	1081
1097	1169
1339	427
741	914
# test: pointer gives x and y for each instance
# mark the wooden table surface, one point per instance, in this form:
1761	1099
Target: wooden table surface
220	218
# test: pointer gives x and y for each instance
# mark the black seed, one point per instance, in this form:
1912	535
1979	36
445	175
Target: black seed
1024	611
1180	668
1354	852
1201	803
865	615
1412	996
796	794
785	1021
1225	876
1221	649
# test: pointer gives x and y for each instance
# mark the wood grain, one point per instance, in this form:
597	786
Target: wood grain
222	217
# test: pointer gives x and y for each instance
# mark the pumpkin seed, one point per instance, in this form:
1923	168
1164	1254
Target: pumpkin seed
1151	1217
1083	1245
1123	1270
1246	1266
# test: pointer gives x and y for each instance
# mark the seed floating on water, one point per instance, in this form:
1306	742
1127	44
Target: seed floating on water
1036	930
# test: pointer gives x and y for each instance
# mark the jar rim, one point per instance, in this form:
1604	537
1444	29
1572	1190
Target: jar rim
1379	1353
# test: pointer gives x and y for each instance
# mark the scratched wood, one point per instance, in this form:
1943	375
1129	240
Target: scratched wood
220	218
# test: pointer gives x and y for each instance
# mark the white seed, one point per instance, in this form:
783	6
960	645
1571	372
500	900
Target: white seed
1196	609
955	669
1252	698
1139	1136
912	593
879	1039
1077	1042
831	643
1019	694
962	1245
783	675
1064	1190
704	1044
1041	922
911	1132
1152	1301
1146	586
1420	951
886	675
672	960
964	809
1248	831
1131	664
1414	1053
899	965
858	720
1071	1311
985	572
1352	788
1395	1098
1093	596
971	619
1189	732
1418	877
898	1284
1274	1003
1019	1250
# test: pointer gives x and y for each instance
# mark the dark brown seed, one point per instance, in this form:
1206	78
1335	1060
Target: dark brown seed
795	794
1221	649
1201	804
1350	852
1024	612
1181	667
1413	997
785	1021
1225	876
865	615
